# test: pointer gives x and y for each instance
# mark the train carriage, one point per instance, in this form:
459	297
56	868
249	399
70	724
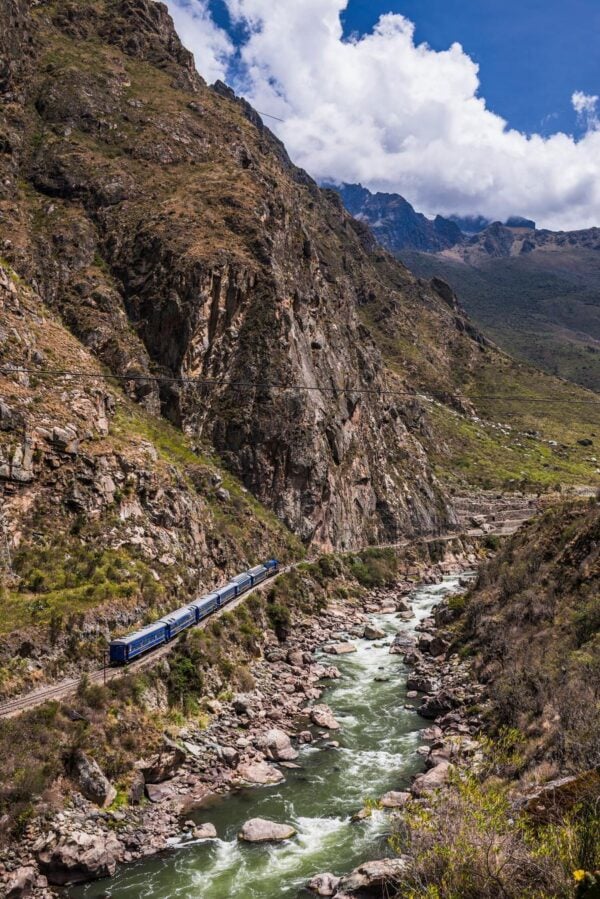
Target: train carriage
178	620
205	606
258	574
133	645
243	582
227	593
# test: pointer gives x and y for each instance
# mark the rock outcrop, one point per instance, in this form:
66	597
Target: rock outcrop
91	780
78	857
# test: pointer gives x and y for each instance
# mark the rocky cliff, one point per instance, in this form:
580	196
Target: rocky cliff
174	239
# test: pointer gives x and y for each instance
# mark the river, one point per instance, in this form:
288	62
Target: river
377	753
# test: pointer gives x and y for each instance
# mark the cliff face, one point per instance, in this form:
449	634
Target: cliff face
172	234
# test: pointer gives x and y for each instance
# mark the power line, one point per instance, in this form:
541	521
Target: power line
318	388
268	116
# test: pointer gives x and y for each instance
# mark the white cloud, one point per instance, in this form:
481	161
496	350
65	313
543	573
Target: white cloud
399	116
586	107
211	45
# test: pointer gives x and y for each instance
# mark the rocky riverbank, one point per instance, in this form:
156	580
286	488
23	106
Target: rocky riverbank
250	740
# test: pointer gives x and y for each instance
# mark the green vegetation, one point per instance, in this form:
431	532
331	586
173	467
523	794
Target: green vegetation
61	580
534	624
541	307
469	842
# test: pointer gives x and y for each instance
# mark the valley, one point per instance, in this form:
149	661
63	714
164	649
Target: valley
207	361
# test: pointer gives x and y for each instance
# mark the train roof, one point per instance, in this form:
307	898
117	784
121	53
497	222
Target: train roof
128	638
256	569
209	596
240	577
177	613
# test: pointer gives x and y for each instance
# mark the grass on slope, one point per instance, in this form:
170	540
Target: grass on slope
542	308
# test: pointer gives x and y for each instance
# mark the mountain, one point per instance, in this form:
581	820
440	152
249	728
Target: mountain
534	292
198	341
394	221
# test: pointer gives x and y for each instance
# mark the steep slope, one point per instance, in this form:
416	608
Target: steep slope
171	233
542	306
533	622
107	514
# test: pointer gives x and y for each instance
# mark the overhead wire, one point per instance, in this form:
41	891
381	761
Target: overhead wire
443	396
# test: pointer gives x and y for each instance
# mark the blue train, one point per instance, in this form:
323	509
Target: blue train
125	649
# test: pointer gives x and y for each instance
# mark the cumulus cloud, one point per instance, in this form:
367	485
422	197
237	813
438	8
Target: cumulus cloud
399	116
586	107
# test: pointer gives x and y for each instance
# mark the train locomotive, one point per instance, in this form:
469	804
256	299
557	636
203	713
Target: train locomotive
125	649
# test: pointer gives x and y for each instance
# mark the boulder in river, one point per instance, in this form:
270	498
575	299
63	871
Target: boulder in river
324	884
340	649
395	799
373	633
259	773
381	875
259	830
278	746
78	857
205	832
322	716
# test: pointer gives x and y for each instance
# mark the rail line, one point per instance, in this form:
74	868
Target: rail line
67	688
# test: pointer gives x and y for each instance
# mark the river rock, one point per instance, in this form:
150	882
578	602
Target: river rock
160	792
278	746
164	765
322	716
340	649
436	705
229	755
78	857
421	683
259	773
92	782
395	799
431	780
382	874
205	832
324	884
363	815
21	883
373	633
438	646
259	830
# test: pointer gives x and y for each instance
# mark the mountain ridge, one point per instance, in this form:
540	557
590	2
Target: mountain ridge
533	291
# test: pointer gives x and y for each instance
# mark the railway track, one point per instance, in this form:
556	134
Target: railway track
67	688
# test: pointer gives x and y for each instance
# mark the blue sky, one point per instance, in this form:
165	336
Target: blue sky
532	54
464	106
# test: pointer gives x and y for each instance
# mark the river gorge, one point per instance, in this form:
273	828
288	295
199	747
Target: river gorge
375	751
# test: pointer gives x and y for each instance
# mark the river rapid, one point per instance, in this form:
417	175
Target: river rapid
377	753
